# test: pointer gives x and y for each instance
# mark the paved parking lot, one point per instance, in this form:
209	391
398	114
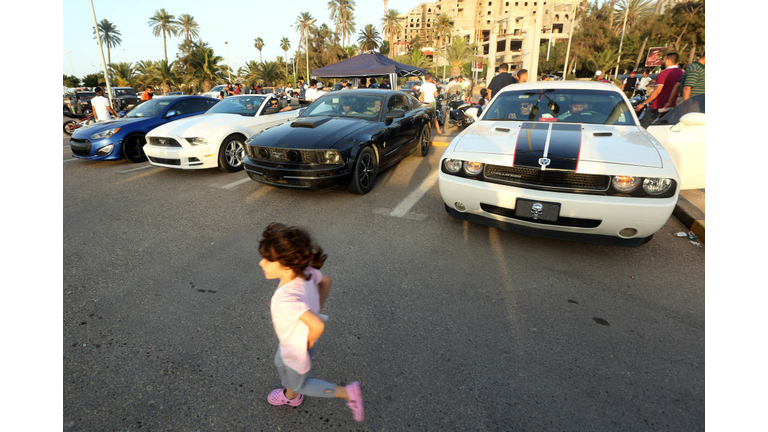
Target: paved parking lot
447	325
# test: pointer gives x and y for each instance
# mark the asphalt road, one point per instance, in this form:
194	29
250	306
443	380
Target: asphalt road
447	325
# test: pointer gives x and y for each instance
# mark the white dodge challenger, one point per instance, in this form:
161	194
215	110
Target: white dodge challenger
563	159
216	138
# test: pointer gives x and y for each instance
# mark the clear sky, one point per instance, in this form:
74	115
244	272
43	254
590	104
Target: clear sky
237	22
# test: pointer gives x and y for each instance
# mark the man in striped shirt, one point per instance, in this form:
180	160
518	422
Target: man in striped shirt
693	79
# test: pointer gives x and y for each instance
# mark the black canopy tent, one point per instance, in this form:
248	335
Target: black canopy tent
366	65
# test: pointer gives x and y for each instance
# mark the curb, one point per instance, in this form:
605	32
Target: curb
690	216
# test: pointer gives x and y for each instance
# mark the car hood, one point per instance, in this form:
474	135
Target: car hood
200	125
627	145
311	133
85	132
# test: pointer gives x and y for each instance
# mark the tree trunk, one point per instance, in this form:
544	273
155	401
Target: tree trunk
640	54
165	49
692	55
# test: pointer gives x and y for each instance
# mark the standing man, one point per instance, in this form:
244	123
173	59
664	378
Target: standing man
628	87
503	79
102	110
311	94
693	79
662	99
148	93
642	83
429	95
385	83
522	75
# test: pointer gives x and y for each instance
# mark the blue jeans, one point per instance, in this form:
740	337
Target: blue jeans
301	383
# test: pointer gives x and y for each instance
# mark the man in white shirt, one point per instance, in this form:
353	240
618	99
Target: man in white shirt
102	110
429	95
311	94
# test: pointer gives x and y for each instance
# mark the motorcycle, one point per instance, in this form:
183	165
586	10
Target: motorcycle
462	114
79	120
440	110
636	100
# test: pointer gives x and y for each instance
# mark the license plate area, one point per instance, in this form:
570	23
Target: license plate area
537	210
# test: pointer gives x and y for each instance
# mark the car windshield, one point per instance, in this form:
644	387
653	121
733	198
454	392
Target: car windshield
125	92
242	105
85	96
367	107
692	104
150	108
560	105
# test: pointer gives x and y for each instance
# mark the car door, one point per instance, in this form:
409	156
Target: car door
681	132
400	130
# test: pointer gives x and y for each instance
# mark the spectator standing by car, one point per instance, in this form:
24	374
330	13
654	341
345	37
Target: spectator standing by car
503	79
237	89
643	82
429	95
522	75
385	83
311	94
453	87
692	80
662	99
290	255
102	110
628	87
149	92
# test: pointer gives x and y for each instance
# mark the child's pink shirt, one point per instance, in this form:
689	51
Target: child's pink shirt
289	302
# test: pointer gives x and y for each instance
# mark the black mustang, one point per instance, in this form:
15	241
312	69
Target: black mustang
343	137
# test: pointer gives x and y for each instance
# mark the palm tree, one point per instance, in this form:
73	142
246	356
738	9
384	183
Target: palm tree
269	72
391	28
164	24
189	27
635	11
460	53
369	38
166	75
258	43
342	14
603	60
416	58
303	21
203	67
443	28
285	45
110	36
121	73
143	72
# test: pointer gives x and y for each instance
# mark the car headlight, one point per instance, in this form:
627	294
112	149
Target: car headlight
624	184
197	141
104	134
473	168
330	157
104	150
656	186
453	166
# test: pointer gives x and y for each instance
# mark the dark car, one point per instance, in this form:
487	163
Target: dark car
341	138
124	137
81	101
125	97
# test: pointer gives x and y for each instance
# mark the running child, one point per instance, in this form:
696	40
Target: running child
290	255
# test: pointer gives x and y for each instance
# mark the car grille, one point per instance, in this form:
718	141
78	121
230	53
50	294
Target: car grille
282	155
80	147
549	179
164	142
561	221
164	161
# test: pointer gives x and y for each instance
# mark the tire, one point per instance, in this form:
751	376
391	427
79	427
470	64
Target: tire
232	153
364	173
133	150
423	143
70	126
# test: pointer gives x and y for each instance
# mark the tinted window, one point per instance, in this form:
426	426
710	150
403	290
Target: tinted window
242	105
367	107
150	108
560	105
124	92
189	106
398	102
692	104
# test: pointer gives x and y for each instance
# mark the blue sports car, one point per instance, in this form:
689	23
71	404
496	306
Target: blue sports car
124	137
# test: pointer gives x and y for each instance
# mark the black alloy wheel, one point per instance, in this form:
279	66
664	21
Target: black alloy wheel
133	148
70	126
422	146
364	173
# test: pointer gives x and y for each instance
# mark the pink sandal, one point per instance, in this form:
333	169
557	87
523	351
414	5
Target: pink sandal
355	400
277	397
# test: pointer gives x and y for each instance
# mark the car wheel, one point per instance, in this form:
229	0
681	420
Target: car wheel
232	153
364	173
422	146
69	127
133	148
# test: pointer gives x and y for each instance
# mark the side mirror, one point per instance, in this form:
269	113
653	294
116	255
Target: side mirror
395	113
122	113
171	113
690	119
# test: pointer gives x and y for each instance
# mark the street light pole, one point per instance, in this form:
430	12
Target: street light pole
101	50
309	23
226	45
621	44
568	51
70	62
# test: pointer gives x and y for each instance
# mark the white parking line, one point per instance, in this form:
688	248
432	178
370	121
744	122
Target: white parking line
70	160
237	183
405	205
136	169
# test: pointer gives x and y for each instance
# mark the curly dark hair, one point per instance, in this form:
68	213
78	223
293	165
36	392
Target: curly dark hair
292	247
